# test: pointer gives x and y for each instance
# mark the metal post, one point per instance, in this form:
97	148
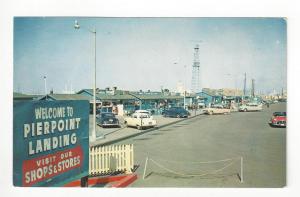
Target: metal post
94	89
184	100
140	104
185	85
77	26
242	171
45	84
145	168
245	81
84	181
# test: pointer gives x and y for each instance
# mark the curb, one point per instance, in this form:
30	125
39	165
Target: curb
125	181
112	181
142	132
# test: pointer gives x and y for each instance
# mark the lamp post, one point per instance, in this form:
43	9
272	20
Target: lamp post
45	84
137	98
94	32
185	85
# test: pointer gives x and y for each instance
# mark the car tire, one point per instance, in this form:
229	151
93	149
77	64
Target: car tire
211	113
139	127
245	110
126	125
178	116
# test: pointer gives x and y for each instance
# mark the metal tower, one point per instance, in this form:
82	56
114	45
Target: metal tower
196	71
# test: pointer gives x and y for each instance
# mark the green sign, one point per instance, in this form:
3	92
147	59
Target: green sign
50	142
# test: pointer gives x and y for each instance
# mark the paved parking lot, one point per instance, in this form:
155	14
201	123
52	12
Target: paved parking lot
106	135
178	148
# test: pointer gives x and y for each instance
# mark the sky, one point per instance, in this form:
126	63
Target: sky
148	53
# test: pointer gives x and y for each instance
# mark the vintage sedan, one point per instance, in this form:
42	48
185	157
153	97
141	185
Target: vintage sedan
107	119
278	119
142	111
140	120
216	109
251	107
176	112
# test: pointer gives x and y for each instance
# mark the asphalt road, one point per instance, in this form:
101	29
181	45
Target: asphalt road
175	152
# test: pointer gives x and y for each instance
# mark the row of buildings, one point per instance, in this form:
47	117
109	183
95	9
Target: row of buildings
150	100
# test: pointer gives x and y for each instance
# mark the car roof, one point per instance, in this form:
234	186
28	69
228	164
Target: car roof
175	108
107	113
141	111
279	113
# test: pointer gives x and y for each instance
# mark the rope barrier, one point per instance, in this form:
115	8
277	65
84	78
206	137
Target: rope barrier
190	175
200	162
147	153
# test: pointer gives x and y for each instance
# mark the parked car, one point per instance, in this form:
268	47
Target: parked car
278	119
107	119
250	107
140	120
176	112
201	105
143	111
216	109
106	109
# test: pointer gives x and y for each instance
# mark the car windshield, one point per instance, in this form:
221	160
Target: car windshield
107	115
144	115
178	109
279	114
218	106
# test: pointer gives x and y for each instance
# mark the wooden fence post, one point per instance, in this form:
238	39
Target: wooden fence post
127	158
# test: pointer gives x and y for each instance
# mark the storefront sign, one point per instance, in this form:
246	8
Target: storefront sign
51	142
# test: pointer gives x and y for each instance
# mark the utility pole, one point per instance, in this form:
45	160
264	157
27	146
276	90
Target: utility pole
252	92
245	81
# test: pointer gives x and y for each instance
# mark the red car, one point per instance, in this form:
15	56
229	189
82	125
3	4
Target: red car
278	119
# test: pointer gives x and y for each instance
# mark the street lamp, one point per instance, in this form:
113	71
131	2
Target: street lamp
45	84
94	32
185	85
137	98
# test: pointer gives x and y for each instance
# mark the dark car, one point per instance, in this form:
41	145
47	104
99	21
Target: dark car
107	120
278	119
176	112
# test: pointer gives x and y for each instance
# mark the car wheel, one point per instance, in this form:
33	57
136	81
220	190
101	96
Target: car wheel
139	127
125	123
178	116
245	110
211	113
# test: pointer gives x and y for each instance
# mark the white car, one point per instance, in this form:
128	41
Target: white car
216	109
140	120
251	107
143	111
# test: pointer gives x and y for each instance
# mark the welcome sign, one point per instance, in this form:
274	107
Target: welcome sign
50	142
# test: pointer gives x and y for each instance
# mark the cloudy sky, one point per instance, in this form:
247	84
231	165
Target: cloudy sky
148	53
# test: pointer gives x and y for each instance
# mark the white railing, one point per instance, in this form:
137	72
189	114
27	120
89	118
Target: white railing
109	159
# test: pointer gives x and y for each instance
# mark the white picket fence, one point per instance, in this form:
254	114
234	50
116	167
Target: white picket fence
109	159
